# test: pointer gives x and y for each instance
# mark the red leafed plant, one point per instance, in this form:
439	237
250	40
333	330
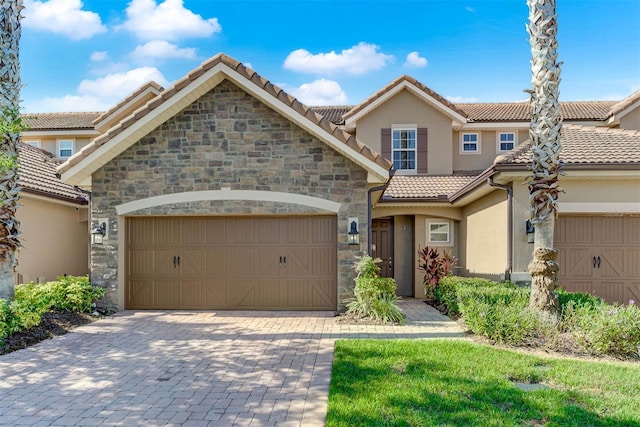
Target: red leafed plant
434	265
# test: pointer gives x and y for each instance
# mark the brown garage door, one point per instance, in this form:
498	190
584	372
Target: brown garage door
267	263
600	255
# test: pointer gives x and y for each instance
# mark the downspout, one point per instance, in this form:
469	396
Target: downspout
370	207
508	268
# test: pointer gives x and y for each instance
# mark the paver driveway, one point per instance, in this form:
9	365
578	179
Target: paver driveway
190	368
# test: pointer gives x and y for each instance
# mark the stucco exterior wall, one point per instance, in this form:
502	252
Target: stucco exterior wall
404	255
631	120
406	108
50	144
55	239
483	237
225	139
488	148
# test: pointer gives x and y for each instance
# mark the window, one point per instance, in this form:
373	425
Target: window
65	148
33	143
439	232
470	143
403	149
506	141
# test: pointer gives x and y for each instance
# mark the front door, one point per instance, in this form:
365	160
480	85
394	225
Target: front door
382	244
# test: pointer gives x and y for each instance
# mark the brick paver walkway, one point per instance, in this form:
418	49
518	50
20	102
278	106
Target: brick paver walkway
190	368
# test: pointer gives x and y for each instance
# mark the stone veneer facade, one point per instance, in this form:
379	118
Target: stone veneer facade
226	139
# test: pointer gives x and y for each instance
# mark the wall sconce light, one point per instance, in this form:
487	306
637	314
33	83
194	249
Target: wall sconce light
99	233
353	236
530	229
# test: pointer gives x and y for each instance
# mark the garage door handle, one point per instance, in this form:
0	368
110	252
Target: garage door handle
598	263
285	260
174	261
178	261
594	262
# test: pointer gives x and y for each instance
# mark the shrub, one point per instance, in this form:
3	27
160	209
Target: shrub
604	328
577	298
435	266
75	294
446	293
499	313
374	296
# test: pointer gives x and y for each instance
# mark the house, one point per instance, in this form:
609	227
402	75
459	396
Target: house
54	220
222	191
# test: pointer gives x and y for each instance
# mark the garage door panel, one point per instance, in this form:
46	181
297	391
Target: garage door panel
613	242
233	263
632	293
139	294
166	294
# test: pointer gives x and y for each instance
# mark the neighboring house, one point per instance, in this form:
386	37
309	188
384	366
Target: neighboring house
222	191
53	220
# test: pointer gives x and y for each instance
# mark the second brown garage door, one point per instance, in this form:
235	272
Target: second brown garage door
600	255
266	263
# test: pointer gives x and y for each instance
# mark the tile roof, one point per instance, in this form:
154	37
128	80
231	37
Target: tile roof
426	187
333	113
625	103
510	111
395	83
252	77
586	145
37	175
58	121
150	85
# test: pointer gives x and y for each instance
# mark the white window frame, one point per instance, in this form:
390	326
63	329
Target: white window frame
499	142
31	142
400	128
449	233
59	148
462	142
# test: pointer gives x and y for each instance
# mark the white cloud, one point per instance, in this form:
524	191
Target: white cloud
169	20
160	49
99	56
101	93
358	60
64	17
461	99
318	92
415	60
470	9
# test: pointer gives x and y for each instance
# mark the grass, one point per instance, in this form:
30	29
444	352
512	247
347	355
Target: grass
455	383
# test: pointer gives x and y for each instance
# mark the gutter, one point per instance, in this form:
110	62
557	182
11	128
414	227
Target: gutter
369	206
509	190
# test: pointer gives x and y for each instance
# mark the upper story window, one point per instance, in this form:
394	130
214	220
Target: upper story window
506	141
470	143
403	149
65	148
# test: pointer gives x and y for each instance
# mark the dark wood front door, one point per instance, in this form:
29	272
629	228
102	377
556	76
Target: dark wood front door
382	244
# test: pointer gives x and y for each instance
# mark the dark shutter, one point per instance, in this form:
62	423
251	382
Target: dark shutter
385	143
422	150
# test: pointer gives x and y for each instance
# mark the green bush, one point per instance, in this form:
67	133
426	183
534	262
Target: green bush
374	296
577	298
604	328
446	293
499	313
32	300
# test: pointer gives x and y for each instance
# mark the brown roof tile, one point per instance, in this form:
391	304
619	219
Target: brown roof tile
38	175
519	111
333	113
207	65
58	121
137	92
426	187
395	83
586	144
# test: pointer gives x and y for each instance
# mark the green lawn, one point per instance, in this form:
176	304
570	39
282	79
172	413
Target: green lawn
457	383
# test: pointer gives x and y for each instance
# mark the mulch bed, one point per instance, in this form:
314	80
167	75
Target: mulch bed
52	324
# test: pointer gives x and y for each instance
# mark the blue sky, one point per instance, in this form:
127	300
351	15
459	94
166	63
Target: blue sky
87	55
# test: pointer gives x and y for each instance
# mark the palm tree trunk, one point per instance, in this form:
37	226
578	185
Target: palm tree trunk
10	31
544	133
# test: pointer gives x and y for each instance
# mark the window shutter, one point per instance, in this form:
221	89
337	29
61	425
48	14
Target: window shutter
422	150
385	143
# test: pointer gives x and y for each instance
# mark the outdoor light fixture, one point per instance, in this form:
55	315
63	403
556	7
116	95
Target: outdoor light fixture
353	237
98	234
530	229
